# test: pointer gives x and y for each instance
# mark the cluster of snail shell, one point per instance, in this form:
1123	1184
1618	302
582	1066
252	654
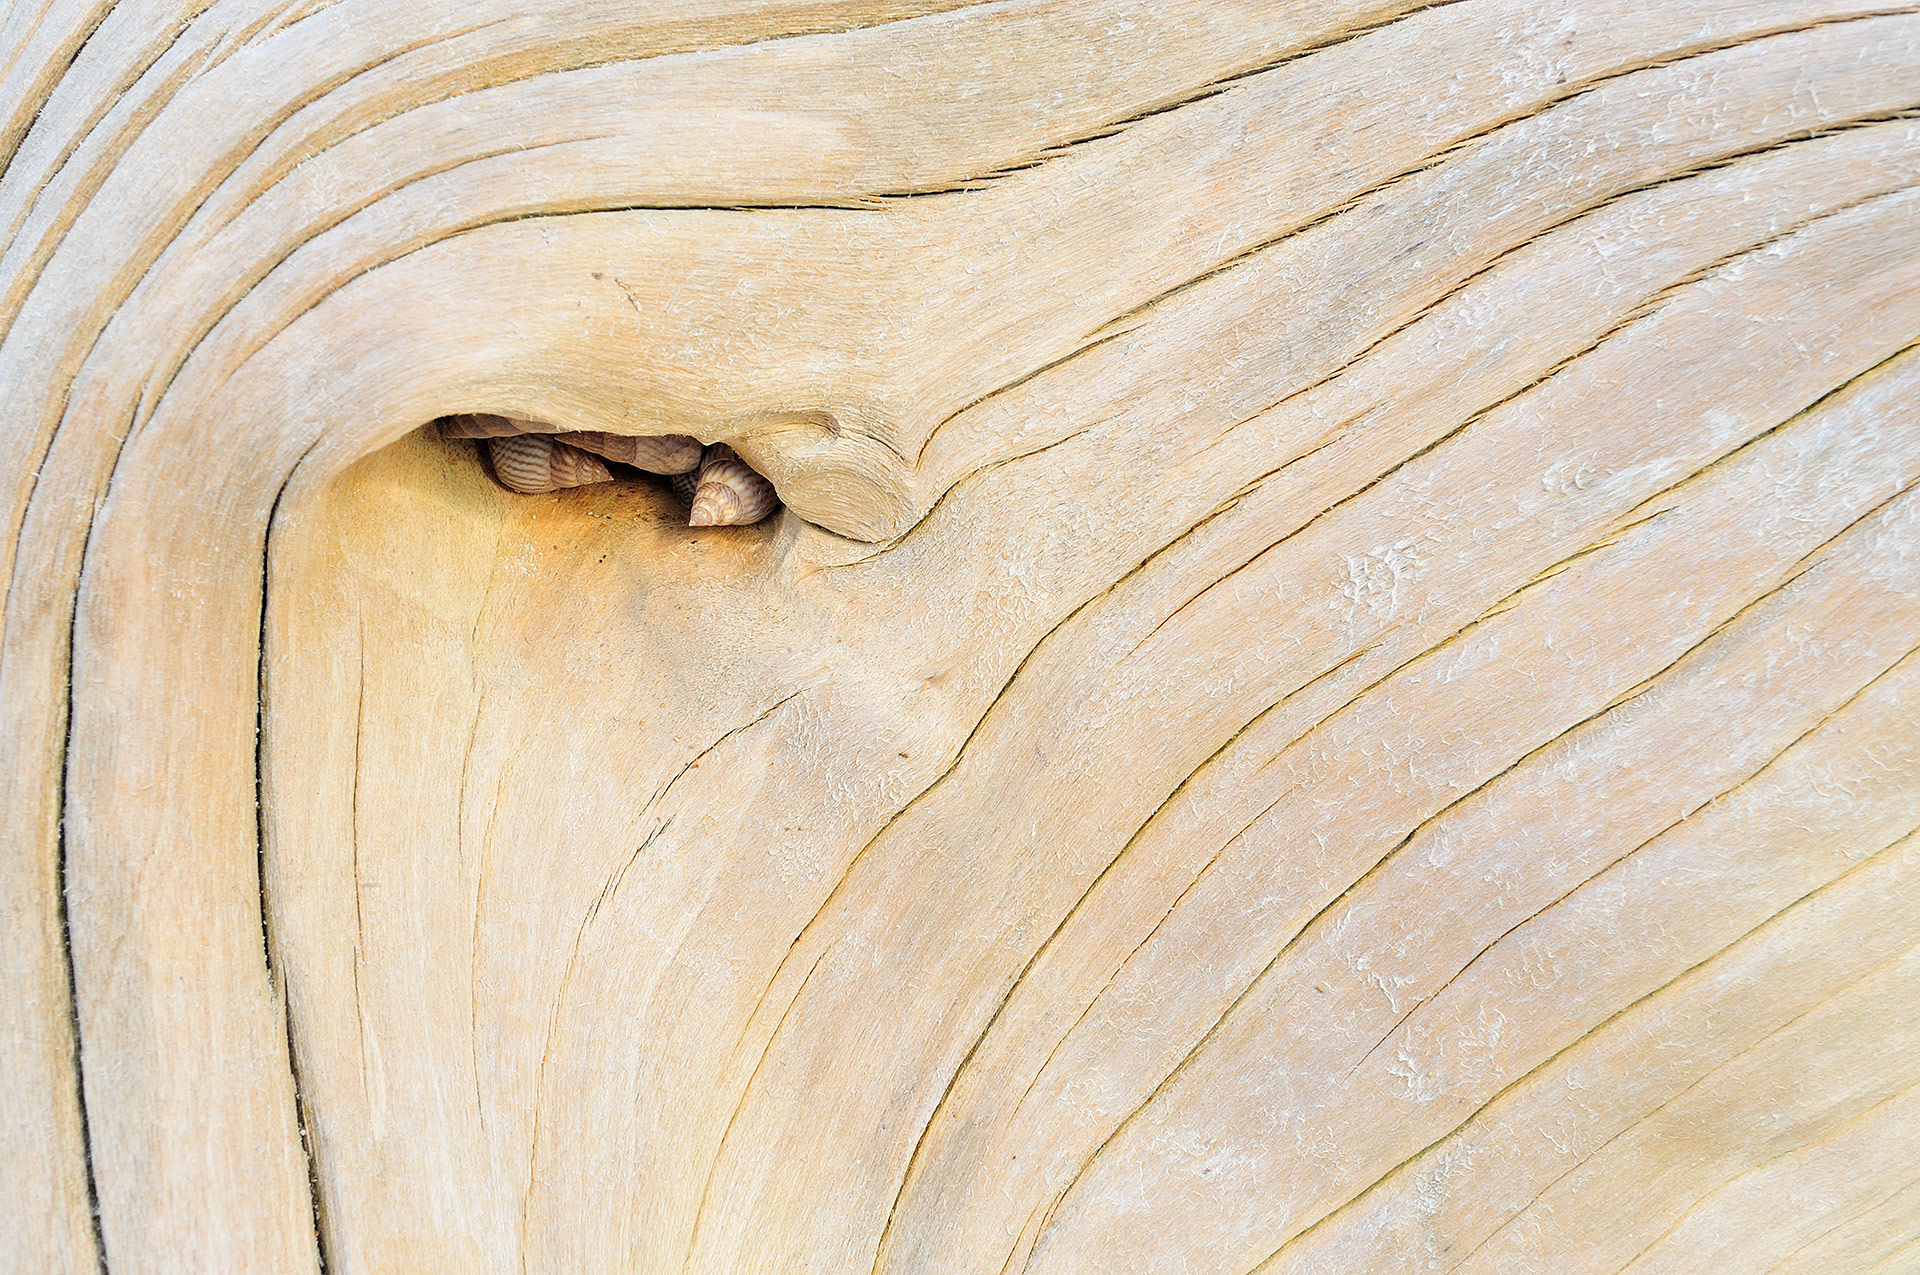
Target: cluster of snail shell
720	489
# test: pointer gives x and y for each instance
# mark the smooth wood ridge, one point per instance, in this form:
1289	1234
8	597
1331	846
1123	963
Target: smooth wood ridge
1334	690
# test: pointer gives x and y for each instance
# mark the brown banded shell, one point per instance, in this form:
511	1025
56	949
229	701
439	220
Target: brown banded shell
657	454
684	485
730	493
535	463
482	425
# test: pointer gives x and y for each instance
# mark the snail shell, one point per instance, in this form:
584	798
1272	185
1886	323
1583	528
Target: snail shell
657	454
729	494
684	485
537	462
480	425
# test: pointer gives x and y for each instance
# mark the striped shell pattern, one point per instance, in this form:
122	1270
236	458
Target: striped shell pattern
729	493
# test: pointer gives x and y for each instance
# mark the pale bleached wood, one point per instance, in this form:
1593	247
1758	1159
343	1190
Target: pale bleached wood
1870	1239
1374	732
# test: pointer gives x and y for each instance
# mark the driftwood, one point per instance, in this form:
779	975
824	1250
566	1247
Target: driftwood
1334	689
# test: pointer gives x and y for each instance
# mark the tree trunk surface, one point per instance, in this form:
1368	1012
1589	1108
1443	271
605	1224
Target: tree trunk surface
1334	690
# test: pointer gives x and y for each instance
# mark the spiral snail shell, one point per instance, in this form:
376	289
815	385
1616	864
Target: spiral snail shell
657	454
730	493
534	463
480	425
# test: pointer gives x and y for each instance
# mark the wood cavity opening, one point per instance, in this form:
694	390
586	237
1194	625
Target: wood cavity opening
527	456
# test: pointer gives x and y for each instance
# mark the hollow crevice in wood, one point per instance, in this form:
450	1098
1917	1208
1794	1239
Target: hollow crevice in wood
532	457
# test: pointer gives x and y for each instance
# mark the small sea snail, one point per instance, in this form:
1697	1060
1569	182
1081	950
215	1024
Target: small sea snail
529	457
477	425
534	463
729	493
657	454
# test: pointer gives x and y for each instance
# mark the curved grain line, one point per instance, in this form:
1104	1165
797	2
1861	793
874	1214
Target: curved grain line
846	875
1124	322
23	278
1475	1117
26	111
1644	311
1582	213
65	912
1846	1221
720	1150
1373	872
100	319
1640	313
156	255
1496	609
1574	91
1046	944
1579	886
612	886
195	64
302	1108
1741	1174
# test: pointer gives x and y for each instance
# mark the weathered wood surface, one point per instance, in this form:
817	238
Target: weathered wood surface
1336	690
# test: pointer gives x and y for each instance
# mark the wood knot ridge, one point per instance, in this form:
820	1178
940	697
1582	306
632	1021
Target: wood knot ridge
720	489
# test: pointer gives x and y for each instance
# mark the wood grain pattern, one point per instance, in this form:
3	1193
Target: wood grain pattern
1333	690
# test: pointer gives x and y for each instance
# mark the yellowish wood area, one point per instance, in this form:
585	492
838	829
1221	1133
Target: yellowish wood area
1335	689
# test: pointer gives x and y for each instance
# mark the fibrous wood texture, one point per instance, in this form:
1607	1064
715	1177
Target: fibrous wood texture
1334	691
